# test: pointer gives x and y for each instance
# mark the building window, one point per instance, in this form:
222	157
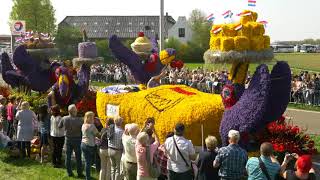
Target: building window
182	32
95	31
152	30
118	30
152	23
141	23
130	30
118	23
130	23
107	23
85	23
106	30
95	23
147	28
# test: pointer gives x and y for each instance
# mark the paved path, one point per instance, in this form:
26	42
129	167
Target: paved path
310	120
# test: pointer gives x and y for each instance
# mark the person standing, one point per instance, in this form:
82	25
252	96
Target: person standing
304	170
231	159
263	166
25	117
115	148
143	148
57	136
72	125
130	159
105	160
44	129
11	111
206	158
180	152
3	117
89	132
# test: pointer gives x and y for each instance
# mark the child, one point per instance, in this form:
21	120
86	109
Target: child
57	136
44	129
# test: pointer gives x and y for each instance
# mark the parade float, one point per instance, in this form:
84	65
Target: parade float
247	110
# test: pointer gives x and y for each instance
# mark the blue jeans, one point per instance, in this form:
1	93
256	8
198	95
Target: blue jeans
88	152
73	144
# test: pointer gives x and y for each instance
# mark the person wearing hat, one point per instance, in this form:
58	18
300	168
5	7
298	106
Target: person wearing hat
180	152
303	166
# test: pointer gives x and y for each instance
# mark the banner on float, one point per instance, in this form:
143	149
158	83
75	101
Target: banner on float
18	27
112	110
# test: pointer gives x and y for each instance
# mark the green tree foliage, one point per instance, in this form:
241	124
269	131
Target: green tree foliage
38	14
104	50
67	39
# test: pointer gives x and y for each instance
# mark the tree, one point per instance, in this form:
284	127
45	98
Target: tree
200	36
67	39
38	14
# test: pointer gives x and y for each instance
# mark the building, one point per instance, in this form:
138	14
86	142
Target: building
181	30
5	43
125	27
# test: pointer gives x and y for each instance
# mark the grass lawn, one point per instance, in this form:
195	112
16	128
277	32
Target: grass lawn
316	139
297	62
25	169
304	107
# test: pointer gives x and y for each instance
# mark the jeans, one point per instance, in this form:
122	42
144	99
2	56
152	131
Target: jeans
23	147
57	150
115	158
73	144
180	176
88	152
10	129
105	165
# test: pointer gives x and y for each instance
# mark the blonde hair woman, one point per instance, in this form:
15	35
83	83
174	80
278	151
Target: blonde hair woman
142	144
89	132
25	118
206	158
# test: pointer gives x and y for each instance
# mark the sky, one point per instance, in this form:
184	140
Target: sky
287	19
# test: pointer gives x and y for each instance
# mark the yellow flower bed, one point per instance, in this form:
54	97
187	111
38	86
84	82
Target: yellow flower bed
168	104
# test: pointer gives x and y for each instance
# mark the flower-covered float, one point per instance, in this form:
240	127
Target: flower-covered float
247	110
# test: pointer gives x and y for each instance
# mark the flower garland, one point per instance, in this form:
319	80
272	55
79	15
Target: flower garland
168	104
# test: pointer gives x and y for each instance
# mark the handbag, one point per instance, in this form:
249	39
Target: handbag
264	169
154	168
185	161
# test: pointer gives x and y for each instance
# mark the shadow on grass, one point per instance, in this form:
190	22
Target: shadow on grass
16	161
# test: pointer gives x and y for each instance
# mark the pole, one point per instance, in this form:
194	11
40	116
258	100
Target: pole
202	137
161	24
12	43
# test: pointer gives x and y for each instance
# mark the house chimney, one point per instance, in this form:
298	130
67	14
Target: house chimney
167	14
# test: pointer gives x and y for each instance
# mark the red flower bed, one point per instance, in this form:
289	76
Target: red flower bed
288	138
87	103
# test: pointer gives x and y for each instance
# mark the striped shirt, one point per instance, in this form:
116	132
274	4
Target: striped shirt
255	172
232	160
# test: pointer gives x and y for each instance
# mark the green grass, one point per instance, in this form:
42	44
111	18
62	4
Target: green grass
316	139
304	107
26	169
297	62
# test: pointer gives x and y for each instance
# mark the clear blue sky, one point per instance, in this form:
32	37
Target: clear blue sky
288	19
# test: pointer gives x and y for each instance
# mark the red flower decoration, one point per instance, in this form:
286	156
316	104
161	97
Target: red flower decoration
141	34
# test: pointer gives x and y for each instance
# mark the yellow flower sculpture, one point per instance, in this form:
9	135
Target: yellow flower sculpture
168	104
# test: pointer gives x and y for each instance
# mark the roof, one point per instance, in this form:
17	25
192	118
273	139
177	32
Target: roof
123	26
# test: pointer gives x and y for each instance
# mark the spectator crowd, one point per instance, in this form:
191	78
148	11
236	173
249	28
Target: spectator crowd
305	86
124	151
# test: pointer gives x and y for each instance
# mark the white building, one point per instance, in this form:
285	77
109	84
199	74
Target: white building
181	30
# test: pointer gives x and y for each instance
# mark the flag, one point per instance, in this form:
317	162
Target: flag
238	27
264	23
210	17
244	14
227	14
216	30
252	3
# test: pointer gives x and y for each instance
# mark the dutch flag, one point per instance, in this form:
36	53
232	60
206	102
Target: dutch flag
216	30
210	17
264	23
227	14
238	27
244	14
252	3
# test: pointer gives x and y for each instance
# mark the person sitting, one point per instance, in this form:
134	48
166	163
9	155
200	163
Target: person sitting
231	159
304	168
264	167
206	158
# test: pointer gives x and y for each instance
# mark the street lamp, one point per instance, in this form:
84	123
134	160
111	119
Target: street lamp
161	24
